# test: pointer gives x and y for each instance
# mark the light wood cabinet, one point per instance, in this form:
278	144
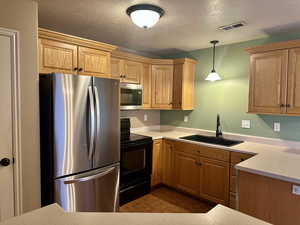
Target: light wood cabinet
274	78
125	70
186	169
57	57
183	84
214	183
61	53
293	83
93	62
157	163
162	86
146	82
267	82
167	165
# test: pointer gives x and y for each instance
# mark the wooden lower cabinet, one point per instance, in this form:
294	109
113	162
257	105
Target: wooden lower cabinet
214	184
268	199
156	162
167	166
187	172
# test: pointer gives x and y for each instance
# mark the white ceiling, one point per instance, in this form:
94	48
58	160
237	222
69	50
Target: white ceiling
187	24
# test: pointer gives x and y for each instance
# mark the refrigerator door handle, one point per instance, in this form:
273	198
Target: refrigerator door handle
92	122
92	177
97	97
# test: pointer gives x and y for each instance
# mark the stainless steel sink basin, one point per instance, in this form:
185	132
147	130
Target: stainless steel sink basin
212	140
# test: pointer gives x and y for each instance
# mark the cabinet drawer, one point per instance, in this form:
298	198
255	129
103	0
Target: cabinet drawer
232	200
233	184
237	157
214	153
187	147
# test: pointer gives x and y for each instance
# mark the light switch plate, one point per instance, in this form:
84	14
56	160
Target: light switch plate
296	190
246	124
277	127
145	117
186	119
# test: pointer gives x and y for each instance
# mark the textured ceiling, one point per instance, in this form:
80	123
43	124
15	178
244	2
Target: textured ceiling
187	24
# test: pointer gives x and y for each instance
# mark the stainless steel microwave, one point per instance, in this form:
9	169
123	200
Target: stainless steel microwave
131	96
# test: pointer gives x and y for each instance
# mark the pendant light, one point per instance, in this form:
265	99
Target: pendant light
145	15
213	76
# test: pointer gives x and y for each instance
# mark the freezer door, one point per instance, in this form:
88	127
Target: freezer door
94	191
73	105
107	107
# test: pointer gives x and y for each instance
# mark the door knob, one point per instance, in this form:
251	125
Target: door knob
5	162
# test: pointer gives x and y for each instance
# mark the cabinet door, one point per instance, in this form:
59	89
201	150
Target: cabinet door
132	72
177	86
116	67
156	162
293	89
94	62
187	173
214	180
162	86
166	163
146	82
268	82
57	57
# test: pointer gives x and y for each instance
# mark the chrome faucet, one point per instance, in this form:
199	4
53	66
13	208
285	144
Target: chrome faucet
218	130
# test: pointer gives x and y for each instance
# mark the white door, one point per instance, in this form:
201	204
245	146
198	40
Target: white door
6	171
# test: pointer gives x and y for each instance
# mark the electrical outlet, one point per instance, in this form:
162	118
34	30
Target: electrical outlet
246	124
186	119
296	190
145	117
277	127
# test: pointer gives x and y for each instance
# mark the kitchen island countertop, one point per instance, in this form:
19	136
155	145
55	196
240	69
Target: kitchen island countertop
54	215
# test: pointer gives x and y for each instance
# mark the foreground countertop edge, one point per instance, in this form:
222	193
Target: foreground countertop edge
240	166
55	215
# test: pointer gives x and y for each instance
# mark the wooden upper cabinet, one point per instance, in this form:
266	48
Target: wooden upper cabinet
132	72
187	172
57	57
267	92
214	180
293	85
116	67
183	84
162	86
64	53
93	62
146	83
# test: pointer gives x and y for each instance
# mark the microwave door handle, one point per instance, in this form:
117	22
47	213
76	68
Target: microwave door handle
92	122
92	177
98	120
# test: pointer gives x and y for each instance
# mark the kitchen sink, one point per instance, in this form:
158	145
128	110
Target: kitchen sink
212	140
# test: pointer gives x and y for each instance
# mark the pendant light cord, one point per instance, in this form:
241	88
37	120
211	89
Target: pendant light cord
214	52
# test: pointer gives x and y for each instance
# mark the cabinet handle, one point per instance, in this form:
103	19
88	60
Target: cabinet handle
80	69
198	163
282	105
288	105
242	159
75	68
198	151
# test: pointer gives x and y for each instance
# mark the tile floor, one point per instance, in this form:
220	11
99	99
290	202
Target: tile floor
165	200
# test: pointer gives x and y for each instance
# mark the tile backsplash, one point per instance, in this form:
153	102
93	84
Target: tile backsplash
137	117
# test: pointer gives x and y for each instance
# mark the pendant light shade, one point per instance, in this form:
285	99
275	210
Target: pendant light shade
213	76
145	15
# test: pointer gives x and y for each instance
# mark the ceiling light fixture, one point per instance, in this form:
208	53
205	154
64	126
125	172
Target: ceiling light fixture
145	15
213	76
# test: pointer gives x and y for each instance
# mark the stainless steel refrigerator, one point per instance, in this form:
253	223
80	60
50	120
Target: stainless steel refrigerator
80	142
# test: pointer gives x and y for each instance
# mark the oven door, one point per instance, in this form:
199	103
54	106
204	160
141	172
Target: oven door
136	162
131	96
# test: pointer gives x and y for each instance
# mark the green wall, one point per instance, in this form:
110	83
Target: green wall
229	97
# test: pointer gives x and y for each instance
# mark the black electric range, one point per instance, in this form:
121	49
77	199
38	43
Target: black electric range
136	164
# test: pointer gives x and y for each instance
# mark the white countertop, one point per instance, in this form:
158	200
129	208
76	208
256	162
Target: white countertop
276	160
54	215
